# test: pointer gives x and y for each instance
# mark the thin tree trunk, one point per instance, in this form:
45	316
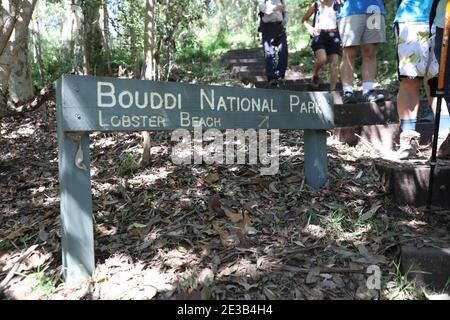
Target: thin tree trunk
149	40
149	67
38	51
20	81
77	45
223	15
106	37
92	35
7	23
67	30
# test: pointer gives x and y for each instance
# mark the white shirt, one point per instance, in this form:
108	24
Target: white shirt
325	17
271	14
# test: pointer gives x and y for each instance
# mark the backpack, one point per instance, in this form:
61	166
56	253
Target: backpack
261	14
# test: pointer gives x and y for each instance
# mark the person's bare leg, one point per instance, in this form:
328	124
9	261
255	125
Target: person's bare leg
408	99
321	59
348	65
369	62
333	59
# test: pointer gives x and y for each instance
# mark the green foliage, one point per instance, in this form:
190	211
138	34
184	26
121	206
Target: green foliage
44	283
129	163
127	20
406	288
334	222
6	245
53	64
189	37
50	15
194	50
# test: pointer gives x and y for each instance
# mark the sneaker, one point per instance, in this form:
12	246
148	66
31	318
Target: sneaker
348	97
425	114
443	145
281	82
409	144
372	96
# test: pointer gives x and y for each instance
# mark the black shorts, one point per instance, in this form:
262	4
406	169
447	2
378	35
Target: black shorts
329	41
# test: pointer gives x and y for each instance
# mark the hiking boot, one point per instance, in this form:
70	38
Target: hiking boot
348	97
409	143
425	114
443	145
372	96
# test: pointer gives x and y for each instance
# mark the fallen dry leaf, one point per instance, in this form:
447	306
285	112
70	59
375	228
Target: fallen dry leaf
246	222
234	217
226	238
371	212
249	207
312	276
211	178
214	204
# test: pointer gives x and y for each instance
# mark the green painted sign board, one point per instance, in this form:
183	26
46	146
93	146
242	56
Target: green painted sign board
109	104
86	104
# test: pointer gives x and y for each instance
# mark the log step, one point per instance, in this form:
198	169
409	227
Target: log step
407	182
428	267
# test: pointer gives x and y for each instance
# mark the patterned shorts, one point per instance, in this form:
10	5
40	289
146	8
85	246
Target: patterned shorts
416	58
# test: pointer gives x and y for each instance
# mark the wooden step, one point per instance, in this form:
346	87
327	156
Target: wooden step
299	85
384	138
240	56
250	74
367	113
428	267
256	62
305	84
243	51
407	181
248	69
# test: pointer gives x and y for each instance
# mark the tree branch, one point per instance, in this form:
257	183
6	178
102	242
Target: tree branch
4	38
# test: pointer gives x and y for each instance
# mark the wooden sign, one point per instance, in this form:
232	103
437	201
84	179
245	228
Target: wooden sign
86	104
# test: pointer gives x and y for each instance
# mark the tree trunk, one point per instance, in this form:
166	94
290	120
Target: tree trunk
77	45
15	69
223	15
149	66
38	51
92	35
149	40
20	81
67	30
106	37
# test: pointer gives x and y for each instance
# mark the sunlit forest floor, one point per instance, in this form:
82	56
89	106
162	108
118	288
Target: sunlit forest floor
204	232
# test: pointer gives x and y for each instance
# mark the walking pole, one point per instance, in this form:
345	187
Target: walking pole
440	95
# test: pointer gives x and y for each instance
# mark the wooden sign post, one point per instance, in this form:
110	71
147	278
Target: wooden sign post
86	104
